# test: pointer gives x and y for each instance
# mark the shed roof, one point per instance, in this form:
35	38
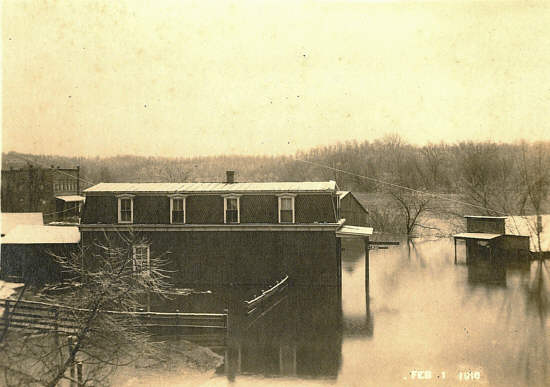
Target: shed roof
308	186
71	198
11	219
476	235
343	194
33	234
485	217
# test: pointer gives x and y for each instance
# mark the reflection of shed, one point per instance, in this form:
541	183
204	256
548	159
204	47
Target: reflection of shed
27	252
352	210
486	240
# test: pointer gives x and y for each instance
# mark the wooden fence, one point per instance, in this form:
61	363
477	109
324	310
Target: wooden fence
208	329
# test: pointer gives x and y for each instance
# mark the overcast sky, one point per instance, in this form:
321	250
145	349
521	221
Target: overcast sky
186	78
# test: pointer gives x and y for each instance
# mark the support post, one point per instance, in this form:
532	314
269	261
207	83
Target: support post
73	366
367	279
455	250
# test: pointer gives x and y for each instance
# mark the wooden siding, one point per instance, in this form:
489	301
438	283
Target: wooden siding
33	264
208	209
315	208
491	226
353	212
247	257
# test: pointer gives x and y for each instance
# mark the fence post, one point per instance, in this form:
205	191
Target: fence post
79	373
72	383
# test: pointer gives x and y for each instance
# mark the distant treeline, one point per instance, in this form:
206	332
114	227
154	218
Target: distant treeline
508	177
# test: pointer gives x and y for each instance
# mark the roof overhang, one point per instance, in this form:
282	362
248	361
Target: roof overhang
354	232
476	235
211	227
71	198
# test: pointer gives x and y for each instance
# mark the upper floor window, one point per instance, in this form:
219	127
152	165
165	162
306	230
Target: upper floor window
141	259
286	209
232	209
125	209
177	209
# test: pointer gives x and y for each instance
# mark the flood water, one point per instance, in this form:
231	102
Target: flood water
425	321
486	324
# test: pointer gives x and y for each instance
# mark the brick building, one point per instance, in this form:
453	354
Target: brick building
53	191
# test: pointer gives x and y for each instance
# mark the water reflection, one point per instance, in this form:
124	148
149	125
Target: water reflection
301	336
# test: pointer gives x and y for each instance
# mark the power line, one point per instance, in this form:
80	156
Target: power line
400	186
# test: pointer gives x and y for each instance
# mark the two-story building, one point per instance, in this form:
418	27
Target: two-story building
223	233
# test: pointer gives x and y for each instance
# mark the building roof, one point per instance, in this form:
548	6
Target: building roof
527	226
485	217
309	186
71	198
343	194
11	219
476	235
354	231
33	234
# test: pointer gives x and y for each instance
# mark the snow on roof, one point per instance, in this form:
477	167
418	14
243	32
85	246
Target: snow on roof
71	198
33	234
485	217
354	231
476	235
527	226
11	219
308	186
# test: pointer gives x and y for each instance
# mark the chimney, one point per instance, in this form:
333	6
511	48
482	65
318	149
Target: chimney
229	177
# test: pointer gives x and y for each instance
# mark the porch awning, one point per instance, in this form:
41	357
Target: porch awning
71	198
476	235
354	231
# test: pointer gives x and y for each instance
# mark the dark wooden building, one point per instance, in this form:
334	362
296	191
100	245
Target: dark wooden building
352	210
26	254
53	191
223	233
486	240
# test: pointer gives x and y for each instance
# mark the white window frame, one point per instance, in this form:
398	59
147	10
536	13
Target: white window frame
148	259
287	196
232	196
178	197
119	199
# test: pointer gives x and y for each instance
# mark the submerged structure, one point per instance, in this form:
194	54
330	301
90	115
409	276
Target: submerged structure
224	233
486	240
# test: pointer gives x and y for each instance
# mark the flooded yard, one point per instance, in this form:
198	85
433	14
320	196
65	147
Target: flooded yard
427	322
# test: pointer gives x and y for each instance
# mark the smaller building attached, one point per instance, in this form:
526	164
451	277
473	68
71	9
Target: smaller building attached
352	210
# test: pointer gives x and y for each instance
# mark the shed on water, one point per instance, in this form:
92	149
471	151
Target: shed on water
486	240
27	252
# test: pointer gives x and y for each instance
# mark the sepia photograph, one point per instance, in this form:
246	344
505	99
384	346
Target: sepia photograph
275	193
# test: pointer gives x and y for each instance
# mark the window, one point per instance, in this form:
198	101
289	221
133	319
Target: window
140	259
286	209
125	209
231	210
177	209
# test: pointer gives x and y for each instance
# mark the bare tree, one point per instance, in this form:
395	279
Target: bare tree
111	279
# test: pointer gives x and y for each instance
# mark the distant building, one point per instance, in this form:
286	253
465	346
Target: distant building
352	210
486	240
55	192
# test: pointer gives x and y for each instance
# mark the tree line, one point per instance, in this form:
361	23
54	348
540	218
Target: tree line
511	178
